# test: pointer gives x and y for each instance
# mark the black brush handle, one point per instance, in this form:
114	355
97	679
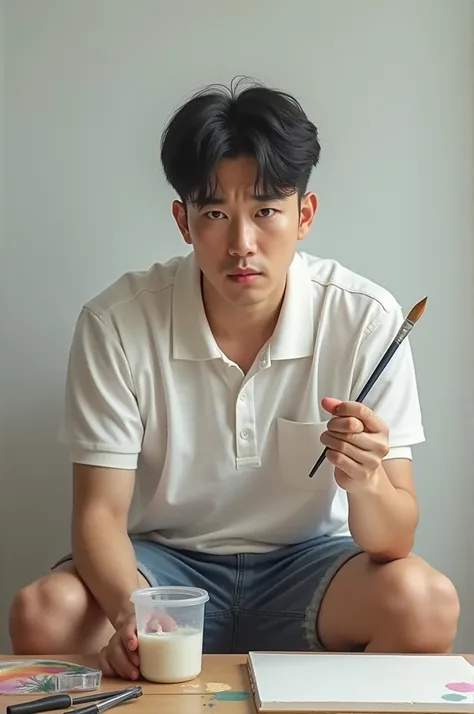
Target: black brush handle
360	398
47	704
124	696
98	696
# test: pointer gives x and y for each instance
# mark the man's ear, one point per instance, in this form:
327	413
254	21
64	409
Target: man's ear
308	208
181	218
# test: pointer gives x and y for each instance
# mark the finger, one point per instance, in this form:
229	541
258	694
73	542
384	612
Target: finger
362	412
104	665
369	457
168	624
345	464
129	637
154	625
361	440
130	644
339	446
345	425
133	656
120	661
330	404
161	623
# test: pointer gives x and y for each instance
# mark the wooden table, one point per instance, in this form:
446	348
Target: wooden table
222	688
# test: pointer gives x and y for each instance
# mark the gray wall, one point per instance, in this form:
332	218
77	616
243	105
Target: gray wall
4	498
89	85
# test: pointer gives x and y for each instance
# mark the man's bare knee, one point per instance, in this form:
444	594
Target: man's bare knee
402	606
421	605
54	614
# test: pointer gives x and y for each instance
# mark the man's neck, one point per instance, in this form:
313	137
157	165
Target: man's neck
238	327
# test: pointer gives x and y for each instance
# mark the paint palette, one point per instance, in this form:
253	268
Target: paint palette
43	676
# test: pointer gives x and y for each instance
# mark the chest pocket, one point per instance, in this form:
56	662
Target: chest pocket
299	447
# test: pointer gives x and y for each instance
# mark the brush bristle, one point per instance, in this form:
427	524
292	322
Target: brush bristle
417	311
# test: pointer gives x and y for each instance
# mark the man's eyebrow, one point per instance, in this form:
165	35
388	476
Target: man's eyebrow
265	197
211	201
220	200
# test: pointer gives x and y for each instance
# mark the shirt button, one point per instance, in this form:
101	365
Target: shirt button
243	396
244	434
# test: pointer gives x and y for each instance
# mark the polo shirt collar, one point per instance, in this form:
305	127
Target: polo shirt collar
294	334
192	337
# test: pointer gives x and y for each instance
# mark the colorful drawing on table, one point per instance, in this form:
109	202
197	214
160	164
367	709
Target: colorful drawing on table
40	676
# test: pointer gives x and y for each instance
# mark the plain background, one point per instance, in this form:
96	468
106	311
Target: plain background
89	85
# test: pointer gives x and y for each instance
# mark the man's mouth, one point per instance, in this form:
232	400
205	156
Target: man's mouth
244	275
244	271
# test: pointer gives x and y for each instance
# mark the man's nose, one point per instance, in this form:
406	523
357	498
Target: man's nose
242	239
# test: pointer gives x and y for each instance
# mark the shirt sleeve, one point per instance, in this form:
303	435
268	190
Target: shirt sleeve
394	396
102	425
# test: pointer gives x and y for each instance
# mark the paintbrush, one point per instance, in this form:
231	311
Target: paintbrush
407	326
62	701
125	696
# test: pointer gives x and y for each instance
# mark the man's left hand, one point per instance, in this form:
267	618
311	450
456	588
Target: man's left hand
357	442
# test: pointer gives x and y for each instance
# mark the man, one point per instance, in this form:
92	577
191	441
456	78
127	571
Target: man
199	396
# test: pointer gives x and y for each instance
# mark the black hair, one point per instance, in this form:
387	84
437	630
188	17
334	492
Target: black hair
220	123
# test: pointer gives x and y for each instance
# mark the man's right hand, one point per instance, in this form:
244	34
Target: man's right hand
120	657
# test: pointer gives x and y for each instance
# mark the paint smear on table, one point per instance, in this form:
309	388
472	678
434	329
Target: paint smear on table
233	696
215	687
225	694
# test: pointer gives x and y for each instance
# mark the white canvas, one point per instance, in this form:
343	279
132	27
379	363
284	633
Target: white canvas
361	682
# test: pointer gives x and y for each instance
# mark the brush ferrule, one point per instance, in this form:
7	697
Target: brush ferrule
403	331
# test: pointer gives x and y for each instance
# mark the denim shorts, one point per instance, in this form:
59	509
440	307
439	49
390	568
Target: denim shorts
257	601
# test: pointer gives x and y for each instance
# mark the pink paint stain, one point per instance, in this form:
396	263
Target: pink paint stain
465	687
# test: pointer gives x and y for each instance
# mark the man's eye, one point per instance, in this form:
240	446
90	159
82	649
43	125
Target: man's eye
266	212
215	215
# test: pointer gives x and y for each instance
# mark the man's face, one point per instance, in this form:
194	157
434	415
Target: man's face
243	243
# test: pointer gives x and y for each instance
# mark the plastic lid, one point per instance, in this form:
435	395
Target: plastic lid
171	596
77	681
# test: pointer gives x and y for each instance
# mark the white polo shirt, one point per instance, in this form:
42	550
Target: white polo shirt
223	458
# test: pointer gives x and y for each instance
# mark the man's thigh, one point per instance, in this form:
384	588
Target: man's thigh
280	594
161	566
216	574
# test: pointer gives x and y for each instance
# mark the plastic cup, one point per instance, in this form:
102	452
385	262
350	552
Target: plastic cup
170	624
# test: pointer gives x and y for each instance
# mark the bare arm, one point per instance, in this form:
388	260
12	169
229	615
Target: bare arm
384	516
383	509
102	550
